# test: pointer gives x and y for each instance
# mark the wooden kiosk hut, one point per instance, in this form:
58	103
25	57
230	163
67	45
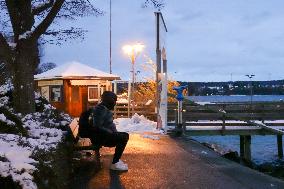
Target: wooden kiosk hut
73	87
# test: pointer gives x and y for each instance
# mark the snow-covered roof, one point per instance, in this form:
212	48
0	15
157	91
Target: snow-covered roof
75	70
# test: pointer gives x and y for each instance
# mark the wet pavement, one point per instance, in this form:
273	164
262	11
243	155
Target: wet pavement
168	163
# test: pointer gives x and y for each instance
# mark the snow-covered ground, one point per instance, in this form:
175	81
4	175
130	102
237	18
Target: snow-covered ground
139	124
136	124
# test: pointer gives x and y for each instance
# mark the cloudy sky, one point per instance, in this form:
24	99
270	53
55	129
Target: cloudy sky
207	40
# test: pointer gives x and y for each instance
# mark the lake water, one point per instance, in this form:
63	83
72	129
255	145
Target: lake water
264	148
237	98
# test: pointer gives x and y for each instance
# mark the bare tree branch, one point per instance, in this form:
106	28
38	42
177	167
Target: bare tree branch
78	8
70	9
61	36
158	4
21	17
14	18
42	27
40	8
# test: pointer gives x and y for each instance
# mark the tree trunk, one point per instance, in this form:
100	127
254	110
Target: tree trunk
24	59
4	74
24	66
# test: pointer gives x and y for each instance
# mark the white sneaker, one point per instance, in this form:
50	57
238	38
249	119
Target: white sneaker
120	161
119	166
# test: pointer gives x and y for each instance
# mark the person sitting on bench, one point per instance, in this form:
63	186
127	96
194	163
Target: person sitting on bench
104	130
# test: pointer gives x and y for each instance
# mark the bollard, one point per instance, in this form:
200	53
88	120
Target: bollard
242	146
245	148
280	146
247	155
179	97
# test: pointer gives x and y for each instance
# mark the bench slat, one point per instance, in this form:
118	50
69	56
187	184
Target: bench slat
74	126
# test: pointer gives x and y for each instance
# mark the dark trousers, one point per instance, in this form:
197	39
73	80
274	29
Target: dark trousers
116	139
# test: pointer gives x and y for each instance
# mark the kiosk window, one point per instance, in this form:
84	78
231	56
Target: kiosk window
93	94
55	93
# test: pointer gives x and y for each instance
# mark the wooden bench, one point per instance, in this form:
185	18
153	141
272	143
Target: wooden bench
82	143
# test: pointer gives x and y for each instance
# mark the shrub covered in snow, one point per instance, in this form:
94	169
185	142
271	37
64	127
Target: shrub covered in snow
11	123
31	144
6	94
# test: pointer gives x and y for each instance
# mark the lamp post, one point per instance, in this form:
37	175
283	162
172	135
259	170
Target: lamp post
250	76
110	70
133	51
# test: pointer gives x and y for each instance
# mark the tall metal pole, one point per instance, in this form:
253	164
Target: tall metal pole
110	70
250	77
129	99
250	98
250	92
158	64
132	51
132	88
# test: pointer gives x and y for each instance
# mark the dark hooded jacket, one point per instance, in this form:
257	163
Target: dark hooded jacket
103	120
103	116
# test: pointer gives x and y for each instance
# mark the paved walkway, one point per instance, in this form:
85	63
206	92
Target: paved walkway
169	163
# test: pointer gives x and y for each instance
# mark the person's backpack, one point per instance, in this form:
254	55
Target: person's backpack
85	123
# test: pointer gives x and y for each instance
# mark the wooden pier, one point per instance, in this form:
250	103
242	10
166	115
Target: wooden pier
245	133
233	119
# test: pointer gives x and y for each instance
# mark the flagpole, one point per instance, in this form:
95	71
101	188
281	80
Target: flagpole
110	70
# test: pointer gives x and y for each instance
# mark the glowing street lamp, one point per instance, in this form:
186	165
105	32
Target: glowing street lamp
132	51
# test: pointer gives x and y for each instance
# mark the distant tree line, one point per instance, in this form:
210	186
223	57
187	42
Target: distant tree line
275	87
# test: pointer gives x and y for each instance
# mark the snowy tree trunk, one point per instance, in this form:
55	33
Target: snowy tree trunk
4	72
5	58
24	65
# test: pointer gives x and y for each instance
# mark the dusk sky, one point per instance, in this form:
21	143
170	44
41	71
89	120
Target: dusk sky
207	40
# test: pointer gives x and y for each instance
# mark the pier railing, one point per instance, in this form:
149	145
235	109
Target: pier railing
219	111
122	111
229	111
